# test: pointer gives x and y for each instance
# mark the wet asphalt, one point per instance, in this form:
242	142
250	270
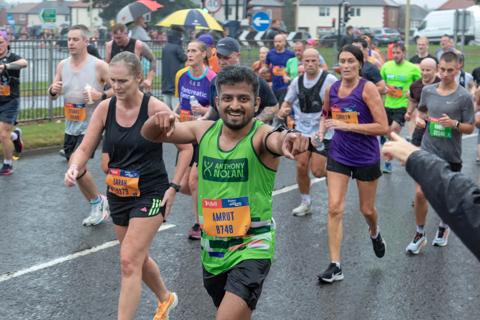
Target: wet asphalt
41	222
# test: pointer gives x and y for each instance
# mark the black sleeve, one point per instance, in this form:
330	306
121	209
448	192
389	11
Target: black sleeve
476	75
267	98
13	57
455	198
213	107
375	76
93	51
181	54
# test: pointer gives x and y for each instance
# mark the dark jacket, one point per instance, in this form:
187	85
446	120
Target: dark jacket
173	59
455	198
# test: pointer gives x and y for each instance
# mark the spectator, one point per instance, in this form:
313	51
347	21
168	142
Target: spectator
347	37
139	31
174	58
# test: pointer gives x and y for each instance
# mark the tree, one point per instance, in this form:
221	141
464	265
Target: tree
112	7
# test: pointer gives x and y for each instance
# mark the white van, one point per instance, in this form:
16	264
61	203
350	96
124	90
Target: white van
438	23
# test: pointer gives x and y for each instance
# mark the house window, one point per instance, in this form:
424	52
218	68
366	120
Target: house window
324	11
355	12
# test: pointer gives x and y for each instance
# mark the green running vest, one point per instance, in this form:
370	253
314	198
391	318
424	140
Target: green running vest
240	175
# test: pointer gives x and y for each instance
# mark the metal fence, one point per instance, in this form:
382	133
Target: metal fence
43	57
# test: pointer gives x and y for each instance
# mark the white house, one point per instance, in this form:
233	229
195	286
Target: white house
318	16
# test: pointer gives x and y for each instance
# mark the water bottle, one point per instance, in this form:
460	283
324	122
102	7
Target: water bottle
317	143
194	102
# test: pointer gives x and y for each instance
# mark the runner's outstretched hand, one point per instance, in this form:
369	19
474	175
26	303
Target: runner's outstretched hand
294	143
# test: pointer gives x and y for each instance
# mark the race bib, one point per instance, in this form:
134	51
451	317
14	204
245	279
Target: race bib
185	115
76	112
395	92
435	129
4	90
226	217
278	71
123	183
346	116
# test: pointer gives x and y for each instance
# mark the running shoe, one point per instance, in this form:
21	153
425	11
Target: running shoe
195	233
441	238
164	308
62	153
418	242
379	246
333	273
7	169
98	213
302	210
387	168
18	143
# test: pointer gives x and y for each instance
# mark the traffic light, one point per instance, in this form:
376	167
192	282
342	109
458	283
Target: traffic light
346	11
248	8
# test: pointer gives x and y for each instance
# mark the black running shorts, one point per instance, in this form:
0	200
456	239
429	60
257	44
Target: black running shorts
71	143
145	206
397	115
244	280
369	173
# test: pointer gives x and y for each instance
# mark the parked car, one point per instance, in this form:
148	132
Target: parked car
328	40
383	36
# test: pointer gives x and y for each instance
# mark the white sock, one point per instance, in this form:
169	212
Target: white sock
9	162
13	136
306	198
337	263
420	229
443	225
376	235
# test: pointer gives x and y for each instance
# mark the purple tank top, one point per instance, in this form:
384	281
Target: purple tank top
350	148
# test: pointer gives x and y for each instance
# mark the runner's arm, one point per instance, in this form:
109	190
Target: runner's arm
148	54
92	137
268	113
55	88
16	65
108	51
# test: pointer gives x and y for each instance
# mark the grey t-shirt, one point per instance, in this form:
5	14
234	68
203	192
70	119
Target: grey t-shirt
445	142
307	123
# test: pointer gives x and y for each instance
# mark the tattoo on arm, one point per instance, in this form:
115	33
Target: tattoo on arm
267	114
148	54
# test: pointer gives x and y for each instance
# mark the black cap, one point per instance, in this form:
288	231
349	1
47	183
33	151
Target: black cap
226	46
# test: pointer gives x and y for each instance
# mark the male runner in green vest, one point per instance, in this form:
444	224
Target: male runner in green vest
238	159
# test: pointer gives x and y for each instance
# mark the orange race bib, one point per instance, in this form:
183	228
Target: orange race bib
226	217
185	115
4	90
75	112
395	92
123	183
278	71
345	116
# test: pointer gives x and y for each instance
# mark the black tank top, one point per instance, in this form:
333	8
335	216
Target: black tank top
128	150
130	47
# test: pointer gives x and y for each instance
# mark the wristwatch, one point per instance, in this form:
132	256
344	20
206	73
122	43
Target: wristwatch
175	186
457	125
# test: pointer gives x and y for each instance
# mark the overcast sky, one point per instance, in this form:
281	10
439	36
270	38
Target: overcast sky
431	3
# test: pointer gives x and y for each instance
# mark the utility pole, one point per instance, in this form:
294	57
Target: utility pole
407	25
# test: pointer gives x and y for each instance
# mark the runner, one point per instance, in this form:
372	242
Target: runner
369	70
192	87
446	111
75	76
422	51
229	55
10	66
428	68
398	75
121	42
305	97
294	66
238	160
358	117
139	193
277	61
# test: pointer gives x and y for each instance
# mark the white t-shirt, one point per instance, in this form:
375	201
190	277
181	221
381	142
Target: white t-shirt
307	123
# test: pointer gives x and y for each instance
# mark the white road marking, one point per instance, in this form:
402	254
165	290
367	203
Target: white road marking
106	245
51	263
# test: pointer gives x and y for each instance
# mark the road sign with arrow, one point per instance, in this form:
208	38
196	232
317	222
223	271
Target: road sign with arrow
261	21
48	15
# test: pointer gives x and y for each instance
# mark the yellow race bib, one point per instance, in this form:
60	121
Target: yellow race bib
226	217
123	183
76	112
345	116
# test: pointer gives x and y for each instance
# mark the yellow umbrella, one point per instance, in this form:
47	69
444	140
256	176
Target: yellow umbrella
191	18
